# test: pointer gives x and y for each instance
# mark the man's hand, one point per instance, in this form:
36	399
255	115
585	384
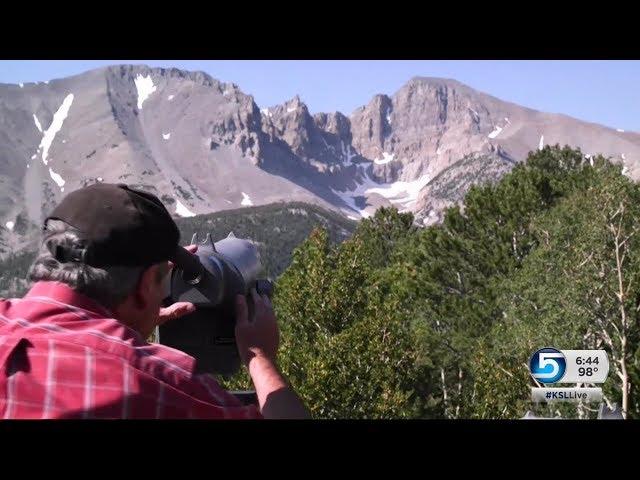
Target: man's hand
258	345
259	338
178	309
175	310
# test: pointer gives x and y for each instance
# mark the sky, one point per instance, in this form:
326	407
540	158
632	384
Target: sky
600	91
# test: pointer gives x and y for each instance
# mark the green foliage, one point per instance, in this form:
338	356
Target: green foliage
465	303
346	346
575	289
13	274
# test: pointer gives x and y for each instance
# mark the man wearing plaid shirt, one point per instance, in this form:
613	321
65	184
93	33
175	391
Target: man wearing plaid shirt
75	346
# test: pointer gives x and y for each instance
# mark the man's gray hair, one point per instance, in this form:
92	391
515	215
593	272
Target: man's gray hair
108	286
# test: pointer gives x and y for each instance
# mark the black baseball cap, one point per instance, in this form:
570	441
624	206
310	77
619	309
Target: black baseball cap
120	226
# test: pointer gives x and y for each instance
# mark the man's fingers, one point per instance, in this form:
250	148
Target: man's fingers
258	303
180	308
255	296
267	300
174	311
242	314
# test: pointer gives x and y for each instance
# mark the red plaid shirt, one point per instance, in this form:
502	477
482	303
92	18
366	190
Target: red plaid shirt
63	356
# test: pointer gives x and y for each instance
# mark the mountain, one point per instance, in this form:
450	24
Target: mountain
204	146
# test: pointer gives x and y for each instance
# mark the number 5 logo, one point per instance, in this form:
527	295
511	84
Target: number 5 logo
547	365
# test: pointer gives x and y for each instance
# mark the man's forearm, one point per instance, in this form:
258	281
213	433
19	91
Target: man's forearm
276	399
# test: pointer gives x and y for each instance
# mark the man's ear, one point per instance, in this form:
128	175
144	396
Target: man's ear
146	285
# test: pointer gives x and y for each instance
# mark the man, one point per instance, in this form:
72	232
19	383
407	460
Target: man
75	346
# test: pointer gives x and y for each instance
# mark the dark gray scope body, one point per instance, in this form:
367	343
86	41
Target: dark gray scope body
218	272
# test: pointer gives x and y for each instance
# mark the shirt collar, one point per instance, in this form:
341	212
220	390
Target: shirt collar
65	294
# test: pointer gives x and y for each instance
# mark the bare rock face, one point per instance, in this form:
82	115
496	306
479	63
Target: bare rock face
425	127
203	145
449	187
